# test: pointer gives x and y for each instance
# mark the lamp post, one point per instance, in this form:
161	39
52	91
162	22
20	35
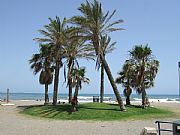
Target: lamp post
7	95
179	76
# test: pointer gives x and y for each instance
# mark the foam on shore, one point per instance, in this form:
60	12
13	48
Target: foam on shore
89	99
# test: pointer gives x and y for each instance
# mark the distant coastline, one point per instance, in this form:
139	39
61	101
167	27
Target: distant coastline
87	93
89	97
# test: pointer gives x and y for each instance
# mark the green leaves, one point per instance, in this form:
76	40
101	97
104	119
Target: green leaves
42	62
140	70
94	21
126	75
146	67
140	52
78	76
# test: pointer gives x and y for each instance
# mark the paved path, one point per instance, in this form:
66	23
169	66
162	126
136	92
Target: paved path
13	123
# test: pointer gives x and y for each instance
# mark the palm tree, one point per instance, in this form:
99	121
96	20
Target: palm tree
42	63
55	35
75	49
106	48
145	70
126	78
78	77
94	23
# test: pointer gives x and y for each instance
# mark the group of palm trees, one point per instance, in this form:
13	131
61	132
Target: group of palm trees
63	42
138	72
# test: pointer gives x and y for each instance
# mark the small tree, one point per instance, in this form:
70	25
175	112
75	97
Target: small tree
42	63
146	68
126	78
78	77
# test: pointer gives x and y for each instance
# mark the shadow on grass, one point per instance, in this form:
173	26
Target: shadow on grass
50	111
93	108
47	110
24	107
97	108
129	106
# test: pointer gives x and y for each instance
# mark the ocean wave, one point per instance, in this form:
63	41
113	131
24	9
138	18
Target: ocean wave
89	97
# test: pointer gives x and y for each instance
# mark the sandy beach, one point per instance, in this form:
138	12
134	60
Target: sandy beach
13	123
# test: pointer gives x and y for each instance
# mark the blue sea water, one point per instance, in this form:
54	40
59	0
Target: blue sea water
84	97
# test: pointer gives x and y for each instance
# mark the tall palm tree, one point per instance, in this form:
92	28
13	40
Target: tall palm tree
126	78
94	23
75	49
146	69
42	63
78	77
55	35
106	48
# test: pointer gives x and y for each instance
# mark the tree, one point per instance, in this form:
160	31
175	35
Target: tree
146	68
94	23
75	49
106	48
42	63
78	77
55	35
126	78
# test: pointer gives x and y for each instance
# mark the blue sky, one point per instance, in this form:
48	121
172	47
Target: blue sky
146	21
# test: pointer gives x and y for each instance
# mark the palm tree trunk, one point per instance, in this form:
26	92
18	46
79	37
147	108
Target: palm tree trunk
56	82
102	84
143	98
128	93
70	89
111	79
142	85
76	91
75	102
95	40
46	94
128	100
70	79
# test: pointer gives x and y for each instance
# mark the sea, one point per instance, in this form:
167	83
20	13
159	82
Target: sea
88	97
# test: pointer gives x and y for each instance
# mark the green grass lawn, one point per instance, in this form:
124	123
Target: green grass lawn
95	111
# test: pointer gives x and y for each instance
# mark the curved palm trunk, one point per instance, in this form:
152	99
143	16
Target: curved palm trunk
111	79
102	84
108	71
70	80
46	94
56	82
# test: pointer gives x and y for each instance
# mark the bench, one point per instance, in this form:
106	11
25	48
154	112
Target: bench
175	127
